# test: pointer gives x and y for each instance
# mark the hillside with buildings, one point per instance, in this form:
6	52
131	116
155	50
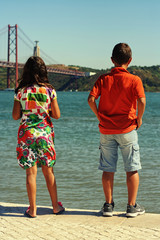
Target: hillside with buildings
150	77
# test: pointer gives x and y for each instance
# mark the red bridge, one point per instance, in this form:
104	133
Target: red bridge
12	67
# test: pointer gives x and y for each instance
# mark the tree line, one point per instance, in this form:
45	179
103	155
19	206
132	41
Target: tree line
150	77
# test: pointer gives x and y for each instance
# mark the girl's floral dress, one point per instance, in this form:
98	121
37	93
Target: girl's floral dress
36	134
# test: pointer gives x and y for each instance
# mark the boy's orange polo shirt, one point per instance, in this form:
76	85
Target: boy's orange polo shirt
118	92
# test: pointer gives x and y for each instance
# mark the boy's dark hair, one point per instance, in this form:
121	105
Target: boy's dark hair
121	53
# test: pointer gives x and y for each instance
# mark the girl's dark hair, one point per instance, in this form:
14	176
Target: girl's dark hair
34	72
121	53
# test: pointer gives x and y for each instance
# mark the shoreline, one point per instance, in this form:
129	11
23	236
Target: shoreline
75	224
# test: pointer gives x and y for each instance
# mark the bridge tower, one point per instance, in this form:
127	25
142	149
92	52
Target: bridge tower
12	74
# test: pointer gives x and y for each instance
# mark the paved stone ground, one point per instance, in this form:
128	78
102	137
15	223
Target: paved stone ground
74	225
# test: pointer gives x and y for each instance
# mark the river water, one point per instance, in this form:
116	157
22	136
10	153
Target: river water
77	146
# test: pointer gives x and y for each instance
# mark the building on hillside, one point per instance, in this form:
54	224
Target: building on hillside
88	74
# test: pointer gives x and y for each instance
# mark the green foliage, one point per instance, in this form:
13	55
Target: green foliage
3	78
150	77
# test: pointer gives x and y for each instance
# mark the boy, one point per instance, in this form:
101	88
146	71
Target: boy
119	93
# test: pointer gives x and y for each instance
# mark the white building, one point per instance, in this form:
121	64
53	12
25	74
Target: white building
36	50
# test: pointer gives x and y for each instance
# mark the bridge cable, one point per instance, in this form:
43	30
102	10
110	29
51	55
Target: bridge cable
25	42
47	57
26	36
4	28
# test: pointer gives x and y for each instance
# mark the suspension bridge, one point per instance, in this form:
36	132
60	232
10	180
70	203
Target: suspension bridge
15	37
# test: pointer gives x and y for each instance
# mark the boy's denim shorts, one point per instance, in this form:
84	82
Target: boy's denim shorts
128	144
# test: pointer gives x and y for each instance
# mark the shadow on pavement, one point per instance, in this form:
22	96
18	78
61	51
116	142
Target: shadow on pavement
18	211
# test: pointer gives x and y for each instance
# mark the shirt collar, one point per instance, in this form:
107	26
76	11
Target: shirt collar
118	70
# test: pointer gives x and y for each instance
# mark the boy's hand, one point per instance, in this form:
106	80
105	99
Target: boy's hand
141	108
139	122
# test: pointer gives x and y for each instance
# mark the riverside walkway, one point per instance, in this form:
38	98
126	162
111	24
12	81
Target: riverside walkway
74	224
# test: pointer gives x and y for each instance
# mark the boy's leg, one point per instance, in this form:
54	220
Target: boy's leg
132	185
52	187
130	151
107	181
108	163
133	209
31	174
128	143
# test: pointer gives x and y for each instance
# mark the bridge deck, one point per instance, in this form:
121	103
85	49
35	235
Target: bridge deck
49	69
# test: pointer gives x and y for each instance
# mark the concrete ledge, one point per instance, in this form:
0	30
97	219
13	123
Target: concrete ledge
74	224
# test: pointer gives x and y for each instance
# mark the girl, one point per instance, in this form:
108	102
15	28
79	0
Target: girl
34	102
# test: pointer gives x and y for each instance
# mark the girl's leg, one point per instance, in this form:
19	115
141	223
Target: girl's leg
52	187
31	174
107	181
132	185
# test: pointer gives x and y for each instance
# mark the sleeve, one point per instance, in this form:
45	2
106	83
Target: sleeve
139	89
17	97
96	90
53	94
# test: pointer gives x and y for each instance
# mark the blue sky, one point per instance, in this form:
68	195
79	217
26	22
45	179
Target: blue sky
84	32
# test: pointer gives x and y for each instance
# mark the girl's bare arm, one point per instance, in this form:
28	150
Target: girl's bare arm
16	113
55	111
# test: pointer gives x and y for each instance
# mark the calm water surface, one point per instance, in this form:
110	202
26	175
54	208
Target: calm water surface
77	142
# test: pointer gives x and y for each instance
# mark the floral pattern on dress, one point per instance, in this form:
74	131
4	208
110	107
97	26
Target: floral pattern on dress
35	143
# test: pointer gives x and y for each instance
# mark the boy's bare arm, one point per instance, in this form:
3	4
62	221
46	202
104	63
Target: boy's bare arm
93	105
141	108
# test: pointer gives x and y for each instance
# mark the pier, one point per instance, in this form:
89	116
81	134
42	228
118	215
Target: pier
74	224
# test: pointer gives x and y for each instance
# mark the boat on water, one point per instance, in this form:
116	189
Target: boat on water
9	89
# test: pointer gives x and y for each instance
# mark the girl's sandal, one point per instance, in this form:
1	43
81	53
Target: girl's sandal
61	211
27	213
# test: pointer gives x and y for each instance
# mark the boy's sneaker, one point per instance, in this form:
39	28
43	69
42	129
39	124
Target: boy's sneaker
107	209
133	211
